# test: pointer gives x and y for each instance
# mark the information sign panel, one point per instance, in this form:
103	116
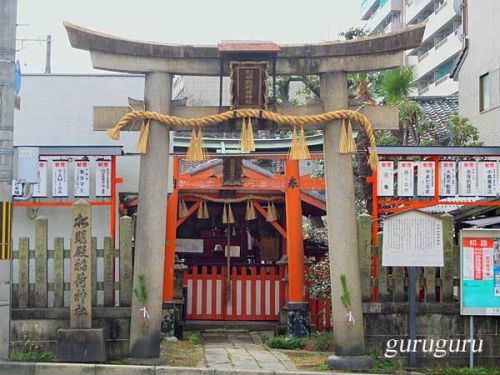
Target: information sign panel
480	271
412	239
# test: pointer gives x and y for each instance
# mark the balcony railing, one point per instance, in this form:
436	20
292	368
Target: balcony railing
443	51
440	43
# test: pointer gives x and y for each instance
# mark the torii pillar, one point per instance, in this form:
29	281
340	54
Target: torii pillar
149	256
342	237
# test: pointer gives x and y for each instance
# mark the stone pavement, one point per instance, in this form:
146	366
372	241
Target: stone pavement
242	351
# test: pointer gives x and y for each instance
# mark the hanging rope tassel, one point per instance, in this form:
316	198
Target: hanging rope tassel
250	211
271	212
302	149
224	215
182	208
350	138
192	140
202	210
205	210
195	151
247	139
347	145
227	214
243	146
251	140
294	147
230	216
142	146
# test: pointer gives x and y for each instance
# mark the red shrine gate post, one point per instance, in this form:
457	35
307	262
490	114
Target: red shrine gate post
297	307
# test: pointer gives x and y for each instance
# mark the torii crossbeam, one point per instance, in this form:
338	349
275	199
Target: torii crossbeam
332	62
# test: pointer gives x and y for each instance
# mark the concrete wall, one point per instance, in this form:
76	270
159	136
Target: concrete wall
40	327
483	57
385	321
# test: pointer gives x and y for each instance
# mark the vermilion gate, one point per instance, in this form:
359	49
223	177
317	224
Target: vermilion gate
252	293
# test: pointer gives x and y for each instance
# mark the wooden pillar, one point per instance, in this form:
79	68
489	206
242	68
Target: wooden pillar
297	307
151	223
295	242
173	199
342	238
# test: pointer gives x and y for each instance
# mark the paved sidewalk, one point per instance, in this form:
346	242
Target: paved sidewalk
242	351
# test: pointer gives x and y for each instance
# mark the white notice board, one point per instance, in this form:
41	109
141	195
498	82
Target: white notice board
82	178
40	188
487	178
426	179
405	179
385	180
59	178
103	178
467	178
187	245
412	239
447	178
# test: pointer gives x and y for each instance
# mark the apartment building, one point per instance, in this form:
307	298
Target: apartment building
478	69
441	43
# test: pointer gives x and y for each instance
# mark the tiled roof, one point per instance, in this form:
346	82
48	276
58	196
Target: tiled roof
438	110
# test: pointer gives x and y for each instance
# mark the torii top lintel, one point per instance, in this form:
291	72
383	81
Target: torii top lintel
365	54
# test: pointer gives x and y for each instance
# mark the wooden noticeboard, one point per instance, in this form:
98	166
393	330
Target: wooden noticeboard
412	239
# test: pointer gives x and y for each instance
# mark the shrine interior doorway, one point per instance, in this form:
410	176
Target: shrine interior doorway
231	236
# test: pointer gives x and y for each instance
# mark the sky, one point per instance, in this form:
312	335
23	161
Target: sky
174	21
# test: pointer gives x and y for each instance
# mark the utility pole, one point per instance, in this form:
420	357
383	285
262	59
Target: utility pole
8	16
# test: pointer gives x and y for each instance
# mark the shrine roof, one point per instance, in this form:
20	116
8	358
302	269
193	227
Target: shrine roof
438	109
232	145
195	167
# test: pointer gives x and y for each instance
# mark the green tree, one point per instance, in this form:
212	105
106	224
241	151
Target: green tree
354	33
397	84
462	132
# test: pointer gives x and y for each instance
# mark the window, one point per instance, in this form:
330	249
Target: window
484	92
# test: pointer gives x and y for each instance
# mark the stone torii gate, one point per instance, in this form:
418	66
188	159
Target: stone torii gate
332	62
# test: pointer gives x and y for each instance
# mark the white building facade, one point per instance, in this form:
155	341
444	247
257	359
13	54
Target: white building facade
478	69
442	41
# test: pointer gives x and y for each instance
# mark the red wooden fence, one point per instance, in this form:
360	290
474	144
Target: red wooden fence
253	293
208	299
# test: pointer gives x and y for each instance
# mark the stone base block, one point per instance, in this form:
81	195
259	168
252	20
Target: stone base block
298	319
350	363
80	345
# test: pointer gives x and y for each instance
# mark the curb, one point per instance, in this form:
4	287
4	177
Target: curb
52	368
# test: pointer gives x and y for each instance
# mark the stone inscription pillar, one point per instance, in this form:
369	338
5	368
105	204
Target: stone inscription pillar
342	228
151	220
81	343
81	267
